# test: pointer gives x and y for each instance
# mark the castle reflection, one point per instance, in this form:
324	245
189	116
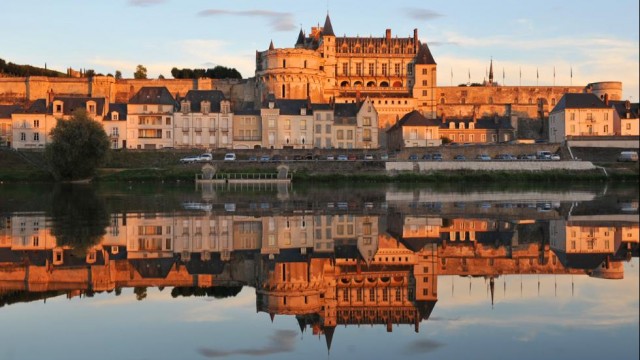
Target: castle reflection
326	268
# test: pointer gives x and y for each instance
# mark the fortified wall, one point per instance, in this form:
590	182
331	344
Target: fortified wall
17	90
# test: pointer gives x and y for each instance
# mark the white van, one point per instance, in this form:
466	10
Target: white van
628	156
230	157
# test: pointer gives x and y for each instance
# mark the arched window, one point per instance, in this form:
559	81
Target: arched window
371	84
384	84
344	84
397	84
283	91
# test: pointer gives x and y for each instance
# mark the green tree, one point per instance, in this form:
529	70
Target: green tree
118	75
79	145
141	72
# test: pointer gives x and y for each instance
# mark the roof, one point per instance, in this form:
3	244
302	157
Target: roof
292	106
7	110
579	101
424	56
321	107
153	95
120	108
37	107
621	108
213	266
482	123
327	29
71	104
153	268
414	118
196	97
581	261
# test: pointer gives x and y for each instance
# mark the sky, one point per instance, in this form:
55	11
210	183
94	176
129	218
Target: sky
593	40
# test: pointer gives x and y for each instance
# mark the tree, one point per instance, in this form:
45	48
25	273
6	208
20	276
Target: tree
79	145
141	72
118	75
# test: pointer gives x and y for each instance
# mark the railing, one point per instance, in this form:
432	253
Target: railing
247	138
259	177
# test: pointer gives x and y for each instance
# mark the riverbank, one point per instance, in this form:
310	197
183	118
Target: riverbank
131	166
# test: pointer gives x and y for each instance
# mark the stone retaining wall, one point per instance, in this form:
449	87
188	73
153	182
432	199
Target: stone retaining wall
425	166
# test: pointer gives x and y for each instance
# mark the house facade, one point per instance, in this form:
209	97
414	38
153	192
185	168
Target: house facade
150	123
580	115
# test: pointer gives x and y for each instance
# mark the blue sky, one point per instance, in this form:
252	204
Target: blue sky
598	40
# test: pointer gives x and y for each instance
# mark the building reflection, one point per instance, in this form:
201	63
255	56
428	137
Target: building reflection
326	269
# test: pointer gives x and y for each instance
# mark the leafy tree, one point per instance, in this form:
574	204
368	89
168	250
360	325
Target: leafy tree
141	292
79	145
118	75
161	77
141	72
219	72
90	73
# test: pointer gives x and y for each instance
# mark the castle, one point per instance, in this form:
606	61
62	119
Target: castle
398	74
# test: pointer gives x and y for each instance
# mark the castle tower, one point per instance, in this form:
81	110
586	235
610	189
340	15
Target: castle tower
491	73
424	86
328	48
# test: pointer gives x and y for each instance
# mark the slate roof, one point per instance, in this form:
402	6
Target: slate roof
482	123
37	107
414	118
292	106
620	108
424	56
580	261
7	110
321	107
153	268
71	104
213	266
159	95
120	108
196	97
579	101
328	28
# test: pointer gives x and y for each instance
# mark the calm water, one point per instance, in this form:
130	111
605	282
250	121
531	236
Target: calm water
170	272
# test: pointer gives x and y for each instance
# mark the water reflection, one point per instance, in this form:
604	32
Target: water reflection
355	258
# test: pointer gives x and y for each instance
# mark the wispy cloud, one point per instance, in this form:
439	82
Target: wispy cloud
282	341
422	346
422	14
146	2
279	21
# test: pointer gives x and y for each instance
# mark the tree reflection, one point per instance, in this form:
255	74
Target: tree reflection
79	217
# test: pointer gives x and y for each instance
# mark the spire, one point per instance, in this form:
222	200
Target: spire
492	288
300	41
272	316
271	47
491	72
327	30
424	56
328	335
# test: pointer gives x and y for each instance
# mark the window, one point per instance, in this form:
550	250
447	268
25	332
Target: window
372	295
396	69
424	92
628	126
589	116
424	71
284	63
424	82
340	134
23	137
366	135
345	69
36	136
345	295
287	124
328	129
36	123
318	129
366	121
384	69
303	124
349	134
371	69
359	69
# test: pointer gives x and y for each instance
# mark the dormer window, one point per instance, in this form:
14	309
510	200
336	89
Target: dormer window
57	107
225	107
461	125
91	107
303	111
452	125
114	116
271	104
185	106
472	126
205	107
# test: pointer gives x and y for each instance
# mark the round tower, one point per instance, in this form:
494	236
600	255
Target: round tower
606	90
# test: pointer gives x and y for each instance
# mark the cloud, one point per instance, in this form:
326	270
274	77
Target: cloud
442	43
282	341
279	21
144	3
422	14
422	346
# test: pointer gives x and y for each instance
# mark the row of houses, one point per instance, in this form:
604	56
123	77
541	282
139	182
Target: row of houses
155	119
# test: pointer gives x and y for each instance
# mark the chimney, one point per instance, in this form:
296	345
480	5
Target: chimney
415	40
49	97
358	98
444	118
495	119
388	34
606	99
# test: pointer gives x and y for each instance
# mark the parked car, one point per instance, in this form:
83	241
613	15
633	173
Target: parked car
331	157
384	157
352	157
507	157
368	157
276	158
230	157
265	158
205	157
189	159
436	157
426	157
413	157
459	158
628	156
297	157
309	156
555	157
342	158
483	157
253	158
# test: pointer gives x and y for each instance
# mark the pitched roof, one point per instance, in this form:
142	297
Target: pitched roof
621	108
300	40
327	29
153	95
345	114
196	97
7	110
414	118
292	106
321	107
37	107
120	108
424	56
71	104
579	101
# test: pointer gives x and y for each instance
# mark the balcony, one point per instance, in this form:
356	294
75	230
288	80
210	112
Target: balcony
247	138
